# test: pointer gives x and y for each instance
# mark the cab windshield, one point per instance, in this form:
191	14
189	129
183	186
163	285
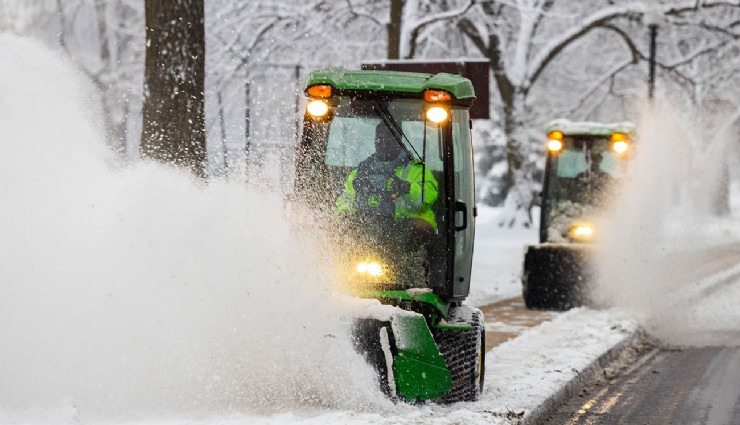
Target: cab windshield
375	171
581	178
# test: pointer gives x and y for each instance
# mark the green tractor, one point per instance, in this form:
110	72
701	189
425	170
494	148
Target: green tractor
385	162
585	163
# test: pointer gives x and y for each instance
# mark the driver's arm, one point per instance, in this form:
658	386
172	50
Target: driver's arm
414	177
346	201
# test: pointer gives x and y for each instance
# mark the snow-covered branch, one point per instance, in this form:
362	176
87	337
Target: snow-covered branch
555	46
692	56
599	19
725	30
441	16
606	77
409	36
698	4
352	11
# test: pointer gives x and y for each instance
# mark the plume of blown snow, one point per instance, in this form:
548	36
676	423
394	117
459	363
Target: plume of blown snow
661	236
127	292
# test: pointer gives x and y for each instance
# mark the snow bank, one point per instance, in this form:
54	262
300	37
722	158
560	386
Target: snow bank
133	291
526	371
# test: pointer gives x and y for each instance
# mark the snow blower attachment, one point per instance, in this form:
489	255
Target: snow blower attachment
386	161
585	162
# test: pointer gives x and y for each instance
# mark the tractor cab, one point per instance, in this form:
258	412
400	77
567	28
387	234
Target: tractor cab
386	157
386	166
585	164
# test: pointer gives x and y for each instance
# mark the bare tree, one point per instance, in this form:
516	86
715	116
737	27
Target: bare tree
174	80
520	53
409	21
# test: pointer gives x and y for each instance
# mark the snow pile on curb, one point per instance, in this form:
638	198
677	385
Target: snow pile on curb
541	368
533	373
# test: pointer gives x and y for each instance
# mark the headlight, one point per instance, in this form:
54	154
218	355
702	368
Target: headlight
370	268
581	232
620	143
437	114
555	145
317	108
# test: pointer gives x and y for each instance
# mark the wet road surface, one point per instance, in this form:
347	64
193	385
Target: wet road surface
697	384
666	386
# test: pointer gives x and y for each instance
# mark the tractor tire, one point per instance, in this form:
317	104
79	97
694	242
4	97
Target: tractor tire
464	352
374	340
555	277
539	296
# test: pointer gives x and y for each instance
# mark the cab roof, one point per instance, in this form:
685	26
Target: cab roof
392	81
586	128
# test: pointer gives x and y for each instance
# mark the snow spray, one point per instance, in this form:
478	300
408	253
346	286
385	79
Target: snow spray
134	291
660	238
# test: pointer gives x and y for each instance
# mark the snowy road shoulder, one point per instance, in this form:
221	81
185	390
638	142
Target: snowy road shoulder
533	373
539	369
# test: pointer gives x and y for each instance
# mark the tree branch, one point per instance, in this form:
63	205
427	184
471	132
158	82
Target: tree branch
491	50
600	19
694	55
699	4
353	12
433	18
608	76
724	30
553	49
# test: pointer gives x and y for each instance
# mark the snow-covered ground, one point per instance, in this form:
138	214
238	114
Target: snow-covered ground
497	259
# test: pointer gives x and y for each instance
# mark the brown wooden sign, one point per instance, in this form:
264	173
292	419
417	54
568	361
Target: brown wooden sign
476	70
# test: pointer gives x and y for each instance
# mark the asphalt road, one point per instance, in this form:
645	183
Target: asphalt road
699	384
687	386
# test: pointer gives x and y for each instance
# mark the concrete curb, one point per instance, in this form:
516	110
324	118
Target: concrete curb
570	389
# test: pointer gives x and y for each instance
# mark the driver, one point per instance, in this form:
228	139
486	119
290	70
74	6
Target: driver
389	185
594	181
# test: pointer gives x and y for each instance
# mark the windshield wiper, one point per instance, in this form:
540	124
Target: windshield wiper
396	130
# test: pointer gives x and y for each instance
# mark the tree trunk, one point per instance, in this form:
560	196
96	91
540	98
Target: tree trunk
520	194
394	29
519	191
174	77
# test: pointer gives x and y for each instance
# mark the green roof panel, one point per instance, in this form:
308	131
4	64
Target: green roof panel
585	128
392	81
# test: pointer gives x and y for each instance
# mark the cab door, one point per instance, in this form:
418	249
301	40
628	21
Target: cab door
463	204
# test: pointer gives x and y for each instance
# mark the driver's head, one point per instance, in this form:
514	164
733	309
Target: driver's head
386	145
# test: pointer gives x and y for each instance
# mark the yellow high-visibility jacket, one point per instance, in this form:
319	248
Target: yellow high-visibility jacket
405	206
